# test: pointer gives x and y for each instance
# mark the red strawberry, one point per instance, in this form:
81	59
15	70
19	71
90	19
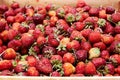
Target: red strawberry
56	57
110	10
94	37
80	3
60	12
68	57
9	13
109	29
12	34
23	28
43	65
70	17
3	8
80	68
6	73
86	32
86	8
2	24
90	69
54	42
19	17
37	33
61	52
10	19
109	68
98	62
117	70
86	46
31	61
19	68
102	14
5	64
15	5
38	18
117	37
29	11
68	69
94	11
32	71
9	54
115	17
55	74
100	45
117	29
79	26
81	55
115	58
41	40
105	54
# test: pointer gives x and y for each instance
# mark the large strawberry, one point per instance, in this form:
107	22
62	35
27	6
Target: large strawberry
80	68
6	64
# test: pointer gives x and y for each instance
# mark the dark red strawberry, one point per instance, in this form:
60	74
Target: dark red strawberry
3	8
9	13
61	52
105	54
31	61
32	71
98	62
95	37
15	5
19	10
109	68
6	64
54	42
90	69
2	24
55	74
115	58
94	11
80	68
10	19
69	57
100	45
115	17
81	55
86	8
38	18
43	65
86	46
23	28
110	9
109	29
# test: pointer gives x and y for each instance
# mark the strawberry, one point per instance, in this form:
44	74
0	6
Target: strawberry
115	58
55	74
6	64
86	8
117	29
86	46
23	28
43	65
117	70
60	12
68	57
19	68
94	52
79	26
109	29
3	8
68	69
94	37
105	54
100	45
19	10
80	68
54	42
12	34
117	37
61	52
9	53
90	69
102	14
86	32
31	61
10	19
15	5
41	40
2	24
32	71
29	11
94	11
110	10
80	3
81	55
38	18
115	17
9	13
109	68
98	62
70	17
6	73
56	57
19	17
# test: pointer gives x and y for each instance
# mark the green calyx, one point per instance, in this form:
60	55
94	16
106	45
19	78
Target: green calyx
101	22
70	18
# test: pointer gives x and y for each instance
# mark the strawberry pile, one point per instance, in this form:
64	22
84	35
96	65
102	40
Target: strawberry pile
59	41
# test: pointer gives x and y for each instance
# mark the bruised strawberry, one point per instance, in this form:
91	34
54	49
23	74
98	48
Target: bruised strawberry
94	37
98	62
9	54
94	11
105	54
15	44
55	74
115	58
80	68
3	8
68	57
90	69
110	10
115	17
94	52
86	46
109	68
100	45
6	73
41	40
117	29
5	64
43	65
32	71
56	57
81	55
31	60
68	69
48	51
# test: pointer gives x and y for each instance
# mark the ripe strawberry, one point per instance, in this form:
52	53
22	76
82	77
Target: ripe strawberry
38	18
110	10
105	54
19	17
23	28
98	62
2	24
68	57
117	29
10	19
31	61
86	32
85	46
48	51
94	11
15	44
115	17
94	37
117	37
68	69
80	3
117	70
19	10
73	45
100	45
115	58
9	54
41	40
80	68
81	55
94	52
79	26
3	8
109	29
32	71
43	65
5	64
9	13
102	14
86	8
55	74
6	73
61	52
12	34
26	37
90	69
19	68
30	12
54	42
109	68
15	5
56	57
53	20
60	12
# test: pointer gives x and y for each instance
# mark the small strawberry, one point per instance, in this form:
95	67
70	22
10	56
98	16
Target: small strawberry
23	28
79	26
105	54
68	57
102	14
55	74
68	69
100	45
6	73
90	69
6	64
81	55
94	52
15	5
94	37
41	40
80	68
32	71
19	17
80	3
